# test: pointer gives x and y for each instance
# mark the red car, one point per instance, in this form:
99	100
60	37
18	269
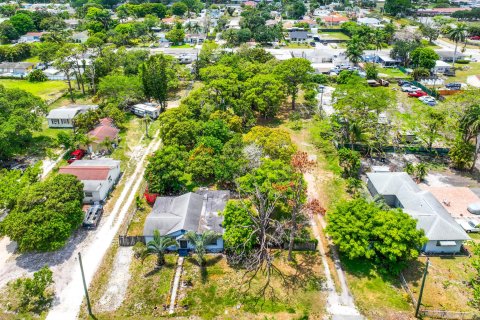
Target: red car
474	38
417	94
76	155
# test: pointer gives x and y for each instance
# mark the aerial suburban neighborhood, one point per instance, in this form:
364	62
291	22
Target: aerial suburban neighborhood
237	159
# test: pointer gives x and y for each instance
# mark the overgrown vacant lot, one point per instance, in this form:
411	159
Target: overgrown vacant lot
45	90
446	287
221	291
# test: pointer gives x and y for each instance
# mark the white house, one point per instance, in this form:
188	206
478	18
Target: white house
30	37
98	177
16	68
146	109
441	67
193	211
371	22
398	190
63	117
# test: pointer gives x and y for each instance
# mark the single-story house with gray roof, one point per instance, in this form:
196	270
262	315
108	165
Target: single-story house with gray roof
193	211
398	190
63	117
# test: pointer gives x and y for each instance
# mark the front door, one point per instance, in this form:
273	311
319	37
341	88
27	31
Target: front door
183	244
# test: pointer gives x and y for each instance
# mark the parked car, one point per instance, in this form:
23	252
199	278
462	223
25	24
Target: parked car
474	38
92	216
468	225
453	86
474	208
417	94
76	155
410	88
403	82
428	100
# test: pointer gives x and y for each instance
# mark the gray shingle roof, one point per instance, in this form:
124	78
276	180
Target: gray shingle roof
191	212
421	205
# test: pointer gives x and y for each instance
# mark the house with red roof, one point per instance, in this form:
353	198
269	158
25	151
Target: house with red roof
334	20
98	176
103	135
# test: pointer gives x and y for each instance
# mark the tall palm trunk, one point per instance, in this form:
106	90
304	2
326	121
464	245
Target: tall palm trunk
454	55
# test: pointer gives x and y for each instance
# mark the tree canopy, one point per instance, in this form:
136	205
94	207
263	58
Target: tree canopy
46	214
362	230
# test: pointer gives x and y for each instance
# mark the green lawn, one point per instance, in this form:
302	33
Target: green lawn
298	46
392	73
186	45
377	296
334	35
470	69
45	90
35	59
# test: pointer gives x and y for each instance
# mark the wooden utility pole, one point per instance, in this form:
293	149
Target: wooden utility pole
419	302
85	286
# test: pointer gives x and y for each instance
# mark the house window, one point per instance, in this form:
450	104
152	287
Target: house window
65	121
212	243
54	121
88	194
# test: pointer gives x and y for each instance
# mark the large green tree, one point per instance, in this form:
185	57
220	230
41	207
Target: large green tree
165	172
46	214
362	230
294	72
265	94
424	58
19	118
159	77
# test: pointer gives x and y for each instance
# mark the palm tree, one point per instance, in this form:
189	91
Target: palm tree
189	27
354	50
378	38
200	241
157	247
457	34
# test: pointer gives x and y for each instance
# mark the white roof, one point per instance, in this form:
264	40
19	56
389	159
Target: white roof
147	106
69	112
440	63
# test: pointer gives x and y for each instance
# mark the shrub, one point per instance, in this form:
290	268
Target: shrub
461	154
37	76
33	294
462	61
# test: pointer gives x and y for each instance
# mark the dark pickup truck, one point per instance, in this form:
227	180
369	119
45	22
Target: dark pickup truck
92	216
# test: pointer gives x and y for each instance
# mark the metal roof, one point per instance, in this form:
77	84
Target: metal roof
69	112
421	205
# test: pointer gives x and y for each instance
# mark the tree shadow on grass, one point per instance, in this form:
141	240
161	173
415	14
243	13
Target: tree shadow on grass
156	270
204	268
305	276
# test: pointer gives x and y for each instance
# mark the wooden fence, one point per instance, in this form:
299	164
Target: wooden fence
129	241
303	246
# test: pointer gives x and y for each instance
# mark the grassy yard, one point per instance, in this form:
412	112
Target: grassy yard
46	90
147	290
446	287
186	45
377	296
334	35
219	291
392	73
461	75
298	46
